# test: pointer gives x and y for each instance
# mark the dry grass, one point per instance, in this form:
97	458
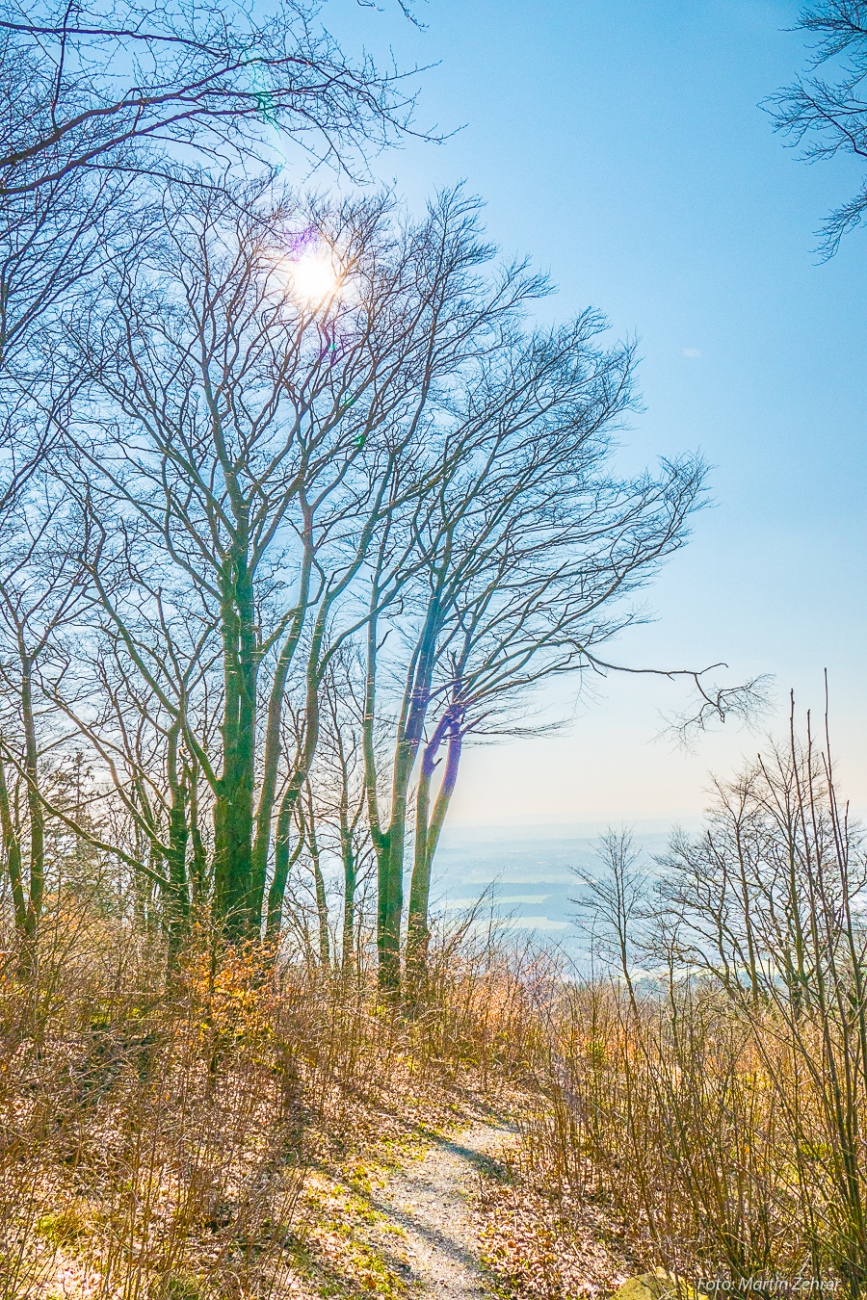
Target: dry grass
222	1130
720	1107
697	1127
218	1131
541	1246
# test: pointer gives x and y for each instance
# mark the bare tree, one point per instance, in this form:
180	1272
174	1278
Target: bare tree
245	445
42	591
767	904
517	565
538	616
828	113
86	88
41	579
53	242
615	904
339	802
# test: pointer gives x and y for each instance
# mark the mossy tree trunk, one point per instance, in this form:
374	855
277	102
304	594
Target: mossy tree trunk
389	841
428	827
233	809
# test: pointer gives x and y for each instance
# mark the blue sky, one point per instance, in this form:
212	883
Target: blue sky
620	144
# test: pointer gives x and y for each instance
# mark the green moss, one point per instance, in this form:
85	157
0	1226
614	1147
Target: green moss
657	1286
175	1287
62	1228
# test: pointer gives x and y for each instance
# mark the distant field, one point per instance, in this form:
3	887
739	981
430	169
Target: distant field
528	872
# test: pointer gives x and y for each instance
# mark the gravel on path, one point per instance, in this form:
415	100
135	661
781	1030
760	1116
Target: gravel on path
430	1201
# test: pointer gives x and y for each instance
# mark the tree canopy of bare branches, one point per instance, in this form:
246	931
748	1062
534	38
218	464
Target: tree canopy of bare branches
515	564
826	111
309	501
85	86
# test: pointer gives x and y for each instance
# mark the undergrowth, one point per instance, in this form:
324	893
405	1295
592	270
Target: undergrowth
218	1131
217	1123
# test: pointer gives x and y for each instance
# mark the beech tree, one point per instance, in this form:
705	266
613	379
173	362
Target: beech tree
98	103
335	810
299	432
344	794
514	565
544	604
52	244
328	819
247	442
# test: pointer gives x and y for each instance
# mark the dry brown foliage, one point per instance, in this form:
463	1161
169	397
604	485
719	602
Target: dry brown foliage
544	1247
214	1131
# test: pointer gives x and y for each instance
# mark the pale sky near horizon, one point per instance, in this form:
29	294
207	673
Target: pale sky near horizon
621	145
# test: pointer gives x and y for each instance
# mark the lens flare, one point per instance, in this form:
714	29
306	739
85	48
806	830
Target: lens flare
314	277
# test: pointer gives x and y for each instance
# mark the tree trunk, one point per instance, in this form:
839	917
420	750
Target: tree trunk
390	845
350	877
178	893
12	848
321	900
199	872
390	909
271	756
299	776
427	833
34	803
233	811
284	860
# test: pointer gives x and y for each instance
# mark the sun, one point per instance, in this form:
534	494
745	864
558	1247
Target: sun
315	277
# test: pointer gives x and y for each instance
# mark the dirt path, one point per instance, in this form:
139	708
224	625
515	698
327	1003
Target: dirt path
429	1201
